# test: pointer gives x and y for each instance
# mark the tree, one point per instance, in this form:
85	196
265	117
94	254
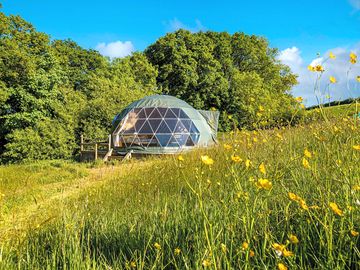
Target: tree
212	70
51	92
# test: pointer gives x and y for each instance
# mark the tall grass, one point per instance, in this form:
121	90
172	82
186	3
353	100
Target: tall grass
189	215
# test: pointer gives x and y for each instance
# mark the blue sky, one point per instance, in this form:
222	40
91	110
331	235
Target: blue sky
300	29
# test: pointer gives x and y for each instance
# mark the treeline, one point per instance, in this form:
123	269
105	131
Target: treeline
335	103
51	91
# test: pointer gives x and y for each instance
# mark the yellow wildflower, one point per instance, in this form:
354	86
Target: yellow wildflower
302	106
306	163
287	253
262	168
157	246
261	108
307	153
299	99
282	266
236	158
251	253
245	245
247	163
293	239
356	187
177	251
353	58
133	264
207	160
311	68
223	247
281	250
354	233
264	184
356	147
180	158
279	136
227	146
206	263
332	56
319	68
303	204
335	208
278	247
293	196
332	79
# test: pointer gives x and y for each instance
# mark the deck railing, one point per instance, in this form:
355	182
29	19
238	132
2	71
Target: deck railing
95	148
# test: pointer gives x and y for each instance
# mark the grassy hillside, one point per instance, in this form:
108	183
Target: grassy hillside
277	198
333	112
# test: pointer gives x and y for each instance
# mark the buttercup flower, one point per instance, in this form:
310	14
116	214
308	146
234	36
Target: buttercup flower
293	239
356	147
223	248
207	160
264	184
251	253
281	250
311	68
262	168
227	146
306	163
334	207
299	99
353	58
236	158
157	246
245	245
319	68
206	263
307	153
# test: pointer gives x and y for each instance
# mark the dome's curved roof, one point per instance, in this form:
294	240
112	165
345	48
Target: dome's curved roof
141	111
160	100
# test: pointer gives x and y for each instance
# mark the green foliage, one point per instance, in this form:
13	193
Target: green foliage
224	71
47	139
51	92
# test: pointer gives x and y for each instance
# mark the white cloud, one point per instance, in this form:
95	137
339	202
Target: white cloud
115	49
340	68
291	57
355	4
176	24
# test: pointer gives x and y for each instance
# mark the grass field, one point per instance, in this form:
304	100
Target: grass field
266	199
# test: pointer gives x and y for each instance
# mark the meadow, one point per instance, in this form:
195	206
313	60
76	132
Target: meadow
286	198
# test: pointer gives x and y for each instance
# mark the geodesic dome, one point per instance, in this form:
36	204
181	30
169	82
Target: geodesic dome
163	124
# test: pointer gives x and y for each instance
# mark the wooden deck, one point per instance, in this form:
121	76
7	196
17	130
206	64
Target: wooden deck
91	150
